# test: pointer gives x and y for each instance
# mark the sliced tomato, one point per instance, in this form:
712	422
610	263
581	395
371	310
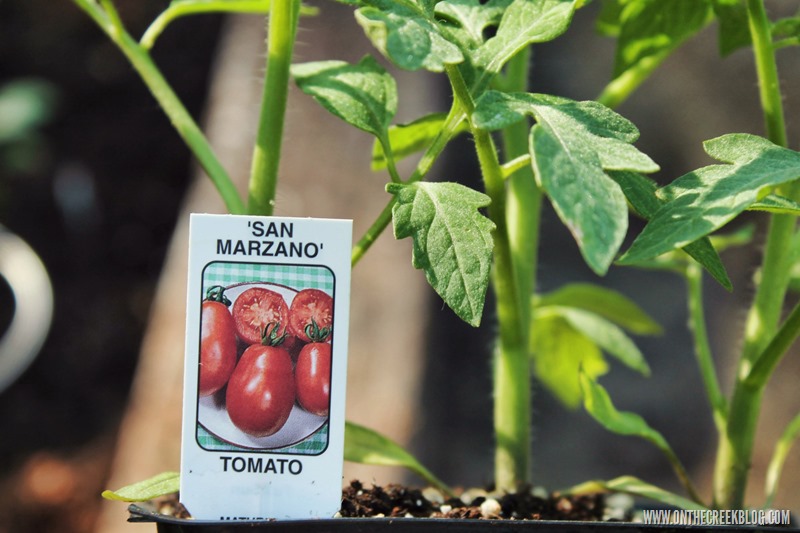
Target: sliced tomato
310	308
257	309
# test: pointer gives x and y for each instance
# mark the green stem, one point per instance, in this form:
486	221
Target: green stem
449	129
702	348
736	443
621	87
512	395
782	448
169	102
765	364
267	153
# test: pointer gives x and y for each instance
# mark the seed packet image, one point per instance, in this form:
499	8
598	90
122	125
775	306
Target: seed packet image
277	322
266	355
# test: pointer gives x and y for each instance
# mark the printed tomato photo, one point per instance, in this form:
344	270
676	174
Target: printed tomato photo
261	391
217	343
310	307
313	378
256	309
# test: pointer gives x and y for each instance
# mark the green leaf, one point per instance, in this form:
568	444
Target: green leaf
734	28
635	487
786	28
572	146
452	241
160	485
775	203
607	336
651	29
703	201
525	22
364	95
598	404
366	446
559	353
641	193
608	21
467	20
606	303
406	32
407	139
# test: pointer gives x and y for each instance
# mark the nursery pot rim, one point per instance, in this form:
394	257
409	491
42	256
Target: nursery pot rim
143	514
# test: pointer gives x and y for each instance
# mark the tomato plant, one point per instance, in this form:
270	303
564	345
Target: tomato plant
255	310
309	307
217	342
261	391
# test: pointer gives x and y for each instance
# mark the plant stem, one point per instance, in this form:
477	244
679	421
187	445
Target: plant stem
702	349
449	128
283	18
736	443
169	102
512	396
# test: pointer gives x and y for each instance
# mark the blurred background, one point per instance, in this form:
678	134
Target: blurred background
97	183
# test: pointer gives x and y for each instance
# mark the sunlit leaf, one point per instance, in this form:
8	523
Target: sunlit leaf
572	146
366	446
407	33
635	487
407	139
452	241
559	353
604	302
703	201
364	95
160	485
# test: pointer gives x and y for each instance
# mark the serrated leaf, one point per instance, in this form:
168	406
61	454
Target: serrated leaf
641	193
651	29
571	146
606	303
774	203
469	19
367	446
703	201
559	353
635	487
598	404
734	28
364	95
154	487
407	139
524	22
452	241
406	32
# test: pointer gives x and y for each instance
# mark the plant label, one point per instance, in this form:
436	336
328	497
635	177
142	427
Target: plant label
266	359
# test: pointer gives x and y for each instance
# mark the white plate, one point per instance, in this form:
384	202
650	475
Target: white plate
213	416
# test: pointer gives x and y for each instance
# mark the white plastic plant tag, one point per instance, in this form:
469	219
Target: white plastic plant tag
266	359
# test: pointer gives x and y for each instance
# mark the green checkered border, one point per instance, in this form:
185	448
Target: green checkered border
314	444
297	277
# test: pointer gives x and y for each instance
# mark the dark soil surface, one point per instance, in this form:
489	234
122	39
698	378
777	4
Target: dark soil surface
400	501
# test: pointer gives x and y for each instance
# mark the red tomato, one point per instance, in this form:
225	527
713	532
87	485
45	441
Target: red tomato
310	306
313	378
256	309
261	391
217	347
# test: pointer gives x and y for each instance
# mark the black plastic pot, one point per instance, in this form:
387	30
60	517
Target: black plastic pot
166	524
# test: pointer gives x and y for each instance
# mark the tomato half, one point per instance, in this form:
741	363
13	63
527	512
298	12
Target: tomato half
261	391
310	306
217	347
313	378
256	309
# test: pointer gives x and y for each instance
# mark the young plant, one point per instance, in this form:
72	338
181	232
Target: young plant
579	156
